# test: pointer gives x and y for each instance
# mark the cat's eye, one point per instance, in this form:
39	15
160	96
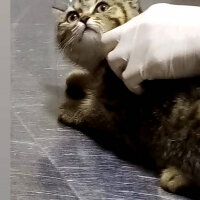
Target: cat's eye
72	16
102	7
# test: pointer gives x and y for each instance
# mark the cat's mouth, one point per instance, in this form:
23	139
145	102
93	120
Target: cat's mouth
89	29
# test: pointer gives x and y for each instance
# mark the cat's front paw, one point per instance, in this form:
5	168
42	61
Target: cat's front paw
173	180
69	115
63	117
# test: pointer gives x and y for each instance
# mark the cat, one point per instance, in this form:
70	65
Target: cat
163	122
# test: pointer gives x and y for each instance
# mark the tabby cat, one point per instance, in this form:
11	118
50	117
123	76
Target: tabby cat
163	122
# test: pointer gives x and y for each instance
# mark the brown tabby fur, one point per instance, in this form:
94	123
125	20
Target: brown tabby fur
163	122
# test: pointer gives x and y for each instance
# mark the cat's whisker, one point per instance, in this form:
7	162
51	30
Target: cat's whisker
63	42
99	26
74	29
67	44
75	32
70	41
73	38
97	21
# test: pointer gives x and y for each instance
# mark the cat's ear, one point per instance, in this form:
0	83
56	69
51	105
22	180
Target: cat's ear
58	14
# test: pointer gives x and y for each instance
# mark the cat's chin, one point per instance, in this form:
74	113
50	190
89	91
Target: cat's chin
90	36
88	51
90	32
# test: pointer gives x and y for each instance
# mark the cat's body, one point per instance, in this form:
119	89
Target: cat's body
163	122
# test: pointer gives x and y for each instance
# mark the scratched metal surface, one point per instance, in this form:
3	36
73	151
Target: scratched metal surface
49	161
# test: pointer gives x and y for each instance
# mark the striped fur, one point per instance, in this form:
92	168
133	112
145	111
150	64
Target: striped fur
120	10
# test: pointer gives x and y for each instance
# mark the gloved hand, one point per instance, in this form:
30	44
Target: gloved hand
161	43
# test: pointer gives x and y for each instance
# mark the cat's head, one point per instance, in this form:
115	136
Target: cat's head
80	27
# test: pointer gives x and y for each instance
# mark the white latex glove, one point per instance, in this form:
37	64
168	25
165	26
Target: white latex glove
161	43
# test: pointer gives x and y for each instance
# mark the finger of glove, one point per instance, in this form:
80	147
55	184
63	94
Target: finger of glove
111	39
116	63
117	59
132	76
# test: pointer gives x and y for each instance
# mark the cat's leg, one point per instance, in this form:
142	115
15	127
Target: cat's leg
75	112
77	84
88	112
81	112
174	180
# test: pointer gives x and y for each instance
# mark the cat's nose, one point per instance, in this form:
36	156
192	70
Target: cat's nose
84	19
